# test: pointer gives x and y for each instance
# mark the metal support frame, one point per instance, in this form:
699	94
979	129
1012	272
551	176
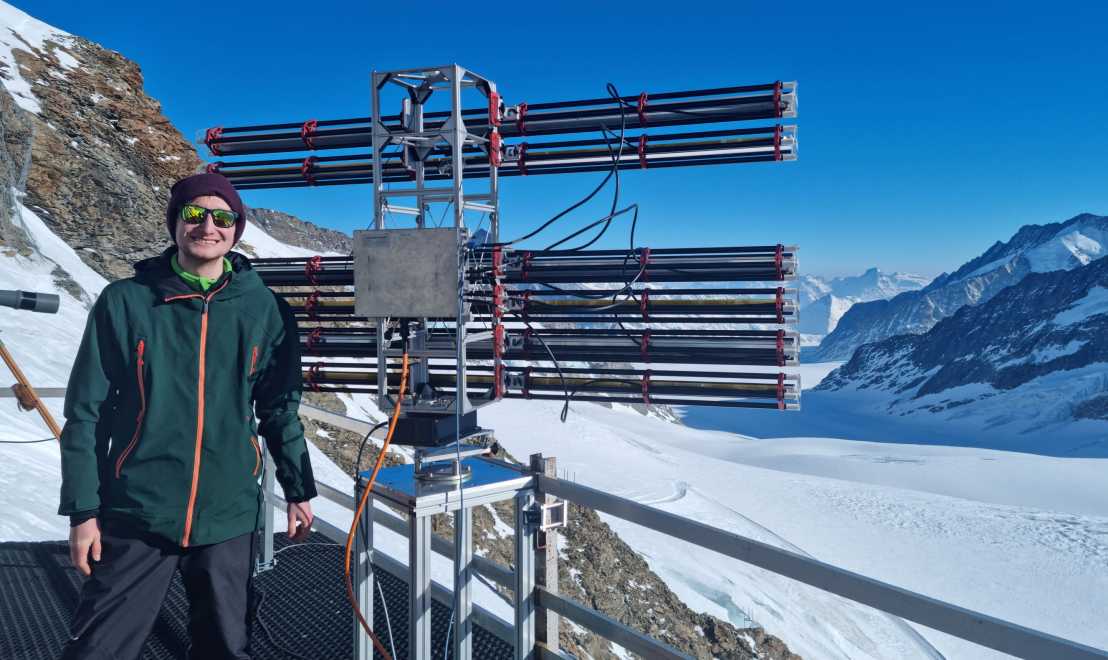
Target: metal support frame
419	587
416	140
546	560
490	481
524	592
362	575
269	472
463	584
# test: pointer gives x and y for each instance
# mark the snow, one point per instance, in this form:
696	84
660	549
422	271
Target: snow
1019	536
20	31
1035	417
1044	354
256	242
966	525
1068	249
1094	302
43	345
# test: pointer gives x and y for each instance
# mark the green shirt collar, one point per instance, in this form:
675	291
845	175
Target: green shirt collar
193	280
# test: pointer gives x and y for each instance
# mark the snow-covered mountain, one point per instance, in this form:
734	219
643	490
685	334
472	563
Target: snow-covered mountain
1033	249
823	301
1032	359
963	525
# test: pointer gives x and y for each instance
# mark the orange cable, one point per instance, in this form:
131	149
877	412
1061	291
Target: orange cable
361	506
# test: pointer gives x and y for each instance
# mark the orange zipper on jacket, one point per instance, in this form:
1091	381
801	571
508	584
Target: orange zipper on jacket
253	359
142	410
199	407
257	454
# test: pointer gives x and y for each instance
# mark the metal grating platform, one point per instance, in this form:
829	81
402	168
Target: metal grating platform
302	608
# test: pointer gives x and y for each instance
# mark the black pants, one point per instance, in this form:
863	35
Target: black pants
121	600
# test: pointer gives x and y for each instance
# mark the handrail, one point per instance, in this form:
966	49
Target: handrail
607	627
967	624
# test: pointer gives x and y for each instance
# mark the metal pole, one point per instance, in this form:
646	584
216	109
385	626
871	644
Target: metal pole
379	201
363	577
463	582
546	560
419	589
270	470
525	577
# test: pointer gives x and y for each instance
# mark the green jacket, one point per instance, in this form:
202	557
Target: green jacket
160	408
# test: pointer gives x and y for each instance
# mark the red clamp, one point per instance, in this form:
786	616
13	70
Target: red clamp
780	391
312	266
777	98
644	347
646	387
526	263
527	382
315	337
521	118
498	341
307	131
780	348
526	304
780	305
523	159
642	151
644	261
213	168
497	262
644	304
779	260
306	169
495	155
313	374
210	136
498	381
642	109
311	305
498	302
777	142
494	109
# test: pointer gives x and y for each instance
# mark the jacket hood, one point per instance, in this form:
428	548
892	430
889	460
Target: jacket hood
157	272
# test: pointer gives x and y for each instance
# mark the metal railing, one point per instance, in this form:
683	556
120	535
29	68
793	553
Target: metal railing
961	622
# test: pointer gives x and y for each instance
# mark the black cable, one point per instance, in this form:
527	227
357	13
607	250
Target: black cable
617	158
613	172
560	215
365	440
565	388
25	442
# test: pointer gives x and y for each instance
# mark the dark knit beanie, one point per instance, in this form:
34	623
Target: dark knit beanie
198	185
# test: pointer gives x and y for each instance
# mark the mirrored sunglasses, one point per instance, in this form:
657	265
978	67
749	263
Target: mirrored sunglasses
193	214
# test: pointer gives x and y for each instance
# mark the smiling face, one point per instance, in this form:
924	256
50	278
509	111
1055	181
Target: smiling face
204	242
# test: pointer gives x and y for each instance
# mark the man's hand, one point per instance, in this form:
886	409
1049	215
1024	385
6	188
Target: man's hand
300	520
84	542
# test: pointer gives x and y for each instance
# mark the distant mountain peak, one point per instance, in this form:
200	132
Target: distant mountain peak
1065	245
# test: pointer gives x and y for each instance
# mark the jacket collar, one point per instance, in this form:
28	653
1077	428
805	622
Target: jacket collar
157	272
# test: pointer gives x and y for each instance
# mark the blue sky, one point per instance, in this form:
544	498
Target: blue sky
926	133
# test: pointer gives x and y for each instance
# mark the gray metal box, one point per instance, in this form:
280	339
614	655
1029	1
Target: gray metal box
406	272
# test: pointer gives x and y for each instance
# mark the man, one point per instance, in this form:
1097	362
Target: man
160	456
